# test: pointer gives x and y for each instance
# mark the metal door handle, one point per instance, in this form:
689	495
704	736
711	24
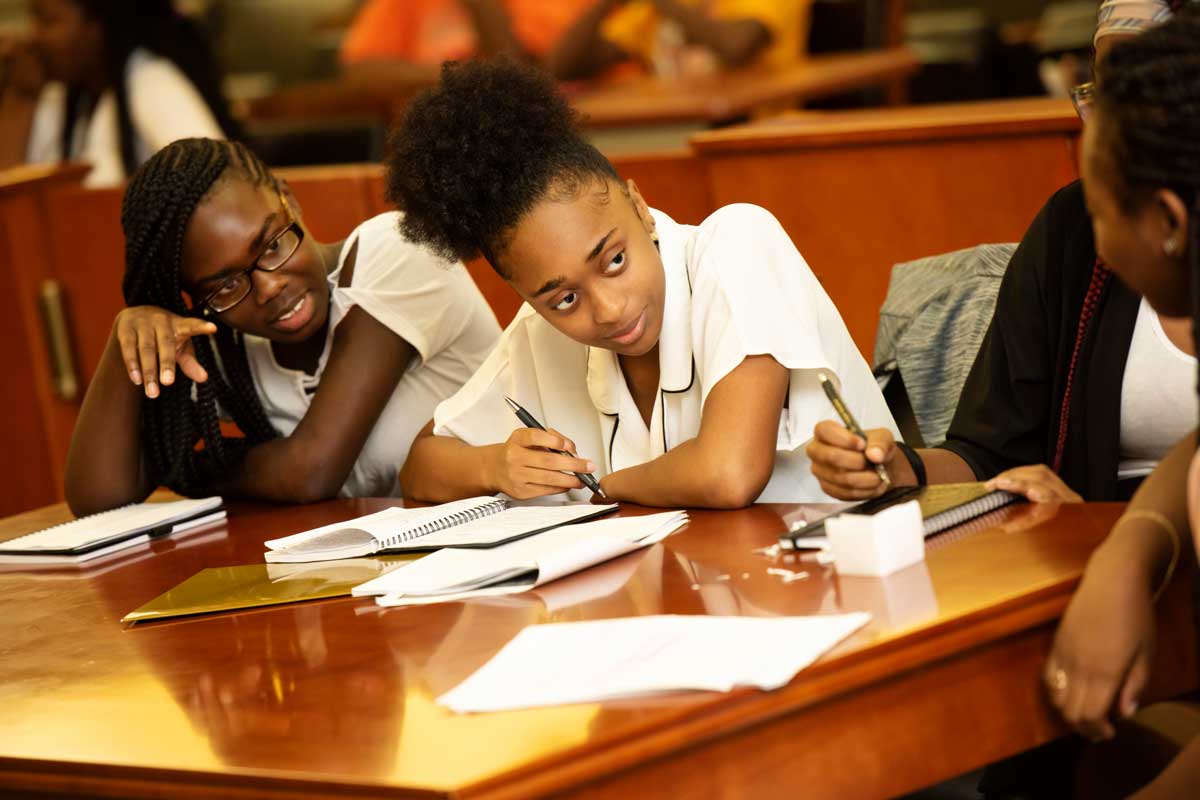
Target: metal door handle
58	341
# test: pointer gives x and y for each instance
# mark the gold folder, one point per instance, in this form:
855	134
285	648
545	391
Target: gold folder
254	585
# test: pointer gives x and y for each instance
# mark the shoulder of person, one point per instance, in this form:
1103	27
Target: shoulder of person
741	243
383	253
146	69
1059	246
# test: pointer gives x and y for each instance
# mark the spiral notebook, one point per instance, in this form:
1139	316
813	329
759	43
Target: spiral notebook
474	522
942	506
97	535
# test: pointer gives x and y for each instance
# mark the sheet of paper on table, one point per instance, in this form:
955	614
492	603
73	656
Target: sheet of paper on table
583	662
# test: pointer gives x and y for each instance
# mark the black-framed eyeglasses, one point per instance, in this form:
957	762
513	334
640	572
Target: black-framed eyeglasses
274	255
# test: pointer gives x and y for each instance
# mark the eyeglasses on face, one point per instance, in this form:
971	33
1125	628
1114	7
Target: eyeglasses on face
274	255
1082	97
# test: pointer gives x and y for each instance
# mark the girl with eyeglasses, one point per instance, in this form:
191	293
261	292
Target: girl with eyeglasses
679	363
1076	391
1141	177
327	357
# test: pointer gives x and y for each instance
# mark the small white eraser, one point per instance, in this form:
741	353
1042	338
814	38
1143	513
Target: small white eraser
877	544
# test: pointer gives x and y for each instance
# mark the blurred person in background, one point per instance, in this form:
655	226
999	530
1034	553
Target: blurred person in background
109	83
682	38
408	40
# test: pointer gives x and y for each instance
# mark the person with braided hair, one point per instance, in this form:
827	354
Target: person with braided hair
107	82
679	362
328	357
1141	177
1038	414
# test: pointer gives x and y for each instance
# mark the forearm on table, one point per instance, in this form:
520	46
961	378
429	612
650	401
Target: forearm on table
689	475
105	467
941	466
441	468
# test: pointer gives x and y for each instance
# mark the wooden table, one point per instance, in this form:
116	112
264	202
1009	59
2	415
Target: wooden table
336	698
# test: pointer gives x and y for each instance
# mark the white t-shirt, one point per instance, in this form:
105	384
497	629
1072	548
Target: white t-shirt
163	106
432	304
735	287
1158	397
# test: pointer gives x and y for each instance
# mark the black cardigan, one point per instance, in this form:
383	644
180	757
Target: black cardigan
1008	413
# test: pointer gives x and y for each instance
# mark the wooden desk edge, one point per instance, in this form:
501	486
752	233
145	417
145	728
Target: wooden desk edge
820	133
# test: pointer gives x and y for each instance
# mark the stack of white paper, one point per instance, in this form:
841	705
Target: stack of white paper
455	574
583	662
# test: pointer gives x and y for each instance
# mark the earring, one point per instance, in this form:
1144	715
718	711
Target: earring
654	237
1170	246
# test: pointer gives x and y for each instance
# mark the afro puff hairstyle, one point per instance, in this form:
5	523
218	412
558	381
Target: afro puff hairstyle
474	154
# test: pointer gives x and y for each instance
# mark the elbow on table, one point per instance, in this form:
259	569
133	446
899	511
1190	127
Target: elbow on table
734	487
312	477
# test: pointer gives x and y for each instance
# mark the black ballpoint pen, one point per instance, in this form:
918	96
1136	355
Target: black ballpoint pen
848	420
529	422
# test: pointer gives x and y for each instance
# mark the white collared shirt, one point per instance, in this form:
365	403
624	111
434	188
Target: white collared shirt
432	304
735	287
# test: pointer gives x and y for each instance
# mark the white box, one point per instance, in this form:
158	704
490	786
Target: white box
877	544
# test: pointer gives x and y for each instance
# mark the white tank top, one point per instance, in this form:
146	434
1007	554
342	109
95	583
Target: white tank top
1159	405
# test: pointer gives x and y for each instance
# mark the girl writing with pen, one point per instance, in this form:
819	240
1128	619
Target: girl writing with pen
678	362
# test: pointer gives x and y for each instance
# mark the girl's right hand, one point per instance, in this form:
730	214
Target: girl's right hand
844	464
525	466
153	341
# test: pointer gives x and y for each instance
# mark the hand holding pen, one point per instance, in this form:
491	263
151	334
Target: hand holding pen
839	461
537	462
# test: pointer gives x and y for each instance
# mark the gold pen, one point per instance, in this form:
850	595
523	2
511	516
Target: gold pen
848	420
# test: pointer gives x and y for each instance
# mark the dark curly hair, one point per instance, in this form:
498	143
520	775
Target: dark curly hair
474	154
160	199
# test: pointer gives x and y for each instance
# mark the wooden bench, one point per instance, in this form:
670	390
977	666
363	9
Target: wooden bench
860	191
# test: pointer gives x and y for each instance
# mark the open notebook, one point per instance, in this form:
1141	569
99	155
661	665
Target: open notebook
98	535
474	522
942	506
455	574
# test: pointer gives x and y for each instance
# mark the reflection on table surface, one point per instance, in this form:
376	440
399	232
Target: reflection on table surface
342	689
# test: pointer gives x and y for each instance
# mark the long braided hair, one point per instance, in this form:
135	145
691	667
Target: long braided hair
181	437
157	27
1149	89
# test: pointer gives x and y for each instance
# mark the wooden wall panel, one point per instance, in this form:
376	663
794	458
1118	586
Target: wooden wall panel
855	211
27	475
32	443
675	183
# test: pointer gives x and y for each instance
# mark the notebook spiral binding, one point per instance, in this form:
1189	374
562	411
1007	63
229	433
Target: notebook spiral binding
448	521
968	511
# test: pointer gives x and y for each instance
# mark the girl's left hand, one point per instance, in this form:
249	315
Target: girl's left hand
1037	483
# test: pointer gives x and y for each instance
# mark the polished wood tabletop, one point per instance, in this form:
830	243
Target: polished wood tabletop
336	698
